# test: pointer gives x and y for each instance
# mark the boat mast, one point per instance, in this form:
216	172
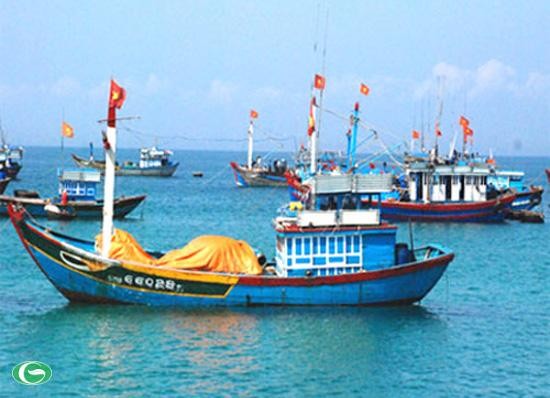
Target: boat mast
116	99
250	143
353	139
314	138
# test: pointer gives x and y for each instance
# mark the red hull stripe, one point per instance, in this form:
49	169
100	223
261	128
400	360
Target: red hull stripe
347	278
445	207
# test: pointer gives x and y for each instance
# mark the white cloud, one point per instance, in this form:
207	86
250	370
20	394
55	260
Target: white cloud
492	76
66	86
222	92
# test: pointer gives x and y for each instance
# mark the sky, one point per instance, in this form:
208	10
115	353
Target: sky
194	69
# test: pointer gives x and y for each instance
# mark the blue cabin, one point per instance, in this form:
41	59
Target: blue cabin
337	231
80	184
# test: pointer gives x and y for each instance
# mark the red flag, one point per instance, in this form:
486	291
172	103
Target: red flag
438	132
463	121
116	96
415	135
364	89
468	131
319	82
311	119
67	130
253	114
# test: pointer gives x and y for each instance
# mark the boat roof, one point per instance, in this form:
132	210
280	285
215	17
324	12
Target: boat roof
351	183
86	175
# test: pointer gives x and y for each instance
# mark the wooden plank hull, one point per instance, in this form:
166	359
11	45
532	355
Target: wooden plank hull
35	207
486	211
254	178
81	275
3	184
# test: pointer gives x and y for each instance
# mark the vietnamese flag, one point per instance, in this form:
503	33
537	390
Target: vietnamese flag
438	132
468	131
364	89
319	82
463	121
415	134
311	119
117	95
253	114
67	130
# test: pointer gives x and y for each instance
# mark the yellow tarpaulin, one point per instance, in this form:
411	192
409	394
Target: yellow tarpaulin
205	253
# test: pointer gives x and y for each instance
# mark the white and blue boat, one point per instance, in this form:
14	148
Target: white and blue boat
77	197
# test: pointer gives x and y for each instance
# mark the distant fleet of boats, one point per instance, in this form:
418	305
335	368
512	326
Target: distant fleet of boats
333	242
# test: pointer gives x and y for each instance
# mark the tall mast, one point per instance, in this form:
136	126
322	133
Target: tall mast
117	96
250	143
314	137
353	138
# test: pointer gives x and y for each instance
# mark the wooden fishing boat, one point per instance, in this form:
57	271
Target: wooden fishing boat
10	161
153	162
3	184
343	256
80	187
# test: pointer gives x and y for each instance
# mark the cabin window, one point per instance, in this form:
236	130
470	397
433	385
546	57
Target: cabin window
455	180
289	247
307	246
315	245
323	244
436	179
299	246
331	245
340	244
349	246
468	180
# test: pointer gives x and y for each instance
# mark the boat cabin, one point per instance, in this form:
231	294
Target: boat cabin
336	232
446	183
80	184
153	157
505	179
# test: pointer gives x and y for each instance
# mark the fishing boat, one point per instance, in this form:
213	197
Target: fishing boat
256	173
77	198
324	256
10	160
153	162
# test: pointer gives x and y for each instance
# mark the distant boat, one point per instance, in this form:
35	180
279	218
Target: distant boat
80	187
153	162
198	174
10	160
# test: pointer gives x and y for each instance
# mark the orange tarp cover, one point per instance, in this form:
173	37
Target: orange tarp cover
205	253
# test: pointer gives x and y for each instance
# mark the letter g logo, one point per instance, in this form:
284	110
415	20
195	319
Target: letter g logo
31	373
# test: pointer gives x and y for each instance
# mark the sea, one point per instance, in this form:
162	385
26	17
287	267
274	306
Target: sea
483	331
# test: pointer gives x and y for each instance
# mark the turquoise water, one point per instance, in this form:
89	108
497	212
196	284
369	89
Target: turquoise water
483	330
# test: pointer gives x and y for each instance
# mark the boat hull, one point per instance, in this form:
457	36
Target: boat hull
13	170
3	184
486	211
93	210
249	178
65	261
527	200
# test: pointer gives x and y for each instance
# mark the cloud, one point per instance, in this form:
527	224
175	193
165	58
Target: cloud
222	92
66	86
490	77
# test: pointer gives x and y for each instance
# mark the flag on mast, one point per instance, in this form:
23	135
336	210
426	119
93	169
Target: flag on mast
67	130
253	114
364	89
117	95
319	82
415	135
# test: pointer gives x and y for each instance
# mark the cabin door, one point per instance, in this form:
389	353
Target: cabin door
448	187
419	186
461	187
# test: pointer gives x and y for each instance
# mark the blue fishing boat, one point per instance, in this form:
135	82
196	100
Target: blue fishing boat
333	251
10	160
77	198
